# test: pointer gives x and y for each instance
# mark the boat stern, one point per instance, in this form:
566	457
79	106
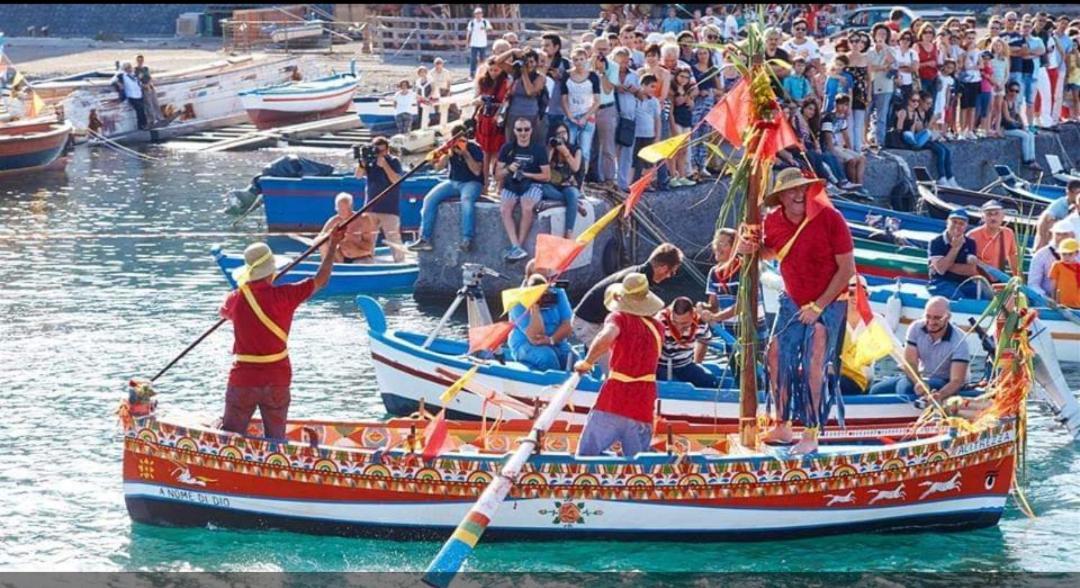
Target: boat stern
373	313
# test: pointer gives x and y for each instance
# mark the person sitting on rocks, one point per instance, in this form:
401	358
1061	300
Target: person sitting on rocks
686	338
465	181
358	243
566	171
541	341
522	169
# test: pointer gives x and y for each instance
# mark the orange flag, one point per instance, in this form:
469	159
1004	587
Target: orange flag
436	435
779	137
555	253
636	190
489	337
731	116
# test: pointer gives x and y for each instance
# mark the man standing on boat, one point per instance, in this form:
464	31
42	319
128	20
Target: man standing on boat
262	313
130	90
995	244
625	406
817	261
386	213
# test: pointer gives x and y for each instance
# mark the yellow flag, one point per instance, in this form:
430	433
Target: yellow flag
868	344
664	149
457	386
523	296
18	79
590	233
37	105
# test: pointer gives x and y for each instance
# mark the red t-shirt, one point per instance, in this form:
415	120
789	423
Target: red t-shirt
251	337
811	262
929	72
635	353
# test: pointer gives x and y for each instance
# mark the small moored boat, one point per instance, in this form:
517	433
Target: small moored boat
300	101
33	145
383	276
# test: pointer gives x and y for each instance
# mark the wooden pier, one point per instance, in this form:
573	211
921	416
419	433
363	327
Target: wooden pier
340	132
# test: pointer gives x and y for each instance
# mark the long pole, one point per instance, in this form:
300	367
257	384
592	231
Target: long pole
313	248
748	404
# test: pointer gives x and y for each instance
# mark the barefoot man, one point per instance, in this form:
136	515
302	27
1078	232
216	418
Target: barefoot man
358	243
816	262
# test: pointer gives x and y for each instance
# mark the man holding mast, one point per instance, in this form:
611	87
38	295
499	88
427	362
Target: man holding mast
816	263
261	313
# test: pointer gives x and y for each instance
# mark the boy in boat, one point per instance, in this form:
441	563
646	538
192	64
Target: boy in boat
686	337
625	406
262	313
358	245
1065	275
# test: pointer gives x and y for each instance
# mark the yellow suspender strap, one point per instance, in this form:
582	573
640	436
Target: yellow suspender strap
269	324
780	255
655	333
621	377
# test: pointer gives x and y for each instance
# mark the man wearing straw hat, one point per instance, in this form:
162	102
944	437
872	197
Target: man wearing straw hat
817	261
261	313
624	408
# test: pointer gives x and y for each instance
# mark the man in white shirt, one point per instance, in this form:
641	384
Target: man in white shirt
800	44
1039	273
476	35
731	25
126	82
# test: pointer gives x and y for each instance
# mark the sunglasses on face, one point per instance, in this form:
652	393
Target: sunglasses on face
800	30
522	129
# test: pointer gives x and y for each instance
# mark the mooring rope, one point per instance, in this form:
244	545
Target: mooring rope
120	148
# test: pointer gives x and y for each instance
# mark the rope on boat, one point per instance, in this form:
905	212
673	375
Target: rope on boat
120	148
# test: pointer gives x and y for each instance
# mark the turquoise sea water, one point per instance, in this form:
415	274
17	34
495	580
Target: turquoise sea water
105	274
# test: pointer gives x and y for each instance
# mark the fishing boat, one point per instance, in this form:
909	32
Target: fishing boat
307	33
939	201
377	113
1023	189
32	145
1058	172
201	97
410	374
299	102
382	276
303	204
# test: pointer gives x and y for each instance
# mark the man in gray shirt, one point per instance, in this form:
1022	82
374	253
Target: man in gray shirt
938	350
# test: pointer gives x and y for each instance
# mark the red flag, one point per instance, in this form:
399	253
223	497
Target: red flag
636	190
817	199
731	116
436	435
489	337
555	253
778	137
862	301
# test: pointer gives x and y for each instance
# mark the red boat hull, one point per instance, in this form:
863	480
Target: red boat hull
269	119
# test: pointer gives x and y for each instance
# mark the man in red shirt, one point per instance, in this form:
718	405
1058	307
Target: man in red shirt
625	407
262	313
816	263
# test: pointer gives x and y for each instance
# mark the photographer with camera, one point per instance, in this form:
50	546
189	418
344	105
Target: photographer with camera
557	69
567	170
466	161
542	344
492	89
528	94
607	117
382	170
522	168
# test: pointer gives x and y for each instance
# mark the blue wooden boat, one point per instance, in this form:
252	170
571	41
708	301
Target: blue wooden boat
32	146
347	278
304	204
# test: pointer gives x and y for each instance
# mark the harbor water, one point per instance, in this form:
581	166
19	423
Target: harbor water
106	274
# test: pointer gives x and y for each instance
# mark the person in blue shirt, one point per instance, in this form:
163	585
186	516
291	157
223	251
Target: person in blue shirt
540	341
953	261
795	84
466	160
384	172
672	24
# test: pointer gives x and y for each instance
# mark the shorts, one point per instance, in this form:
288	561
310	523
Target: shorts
1072	87
534	193
969	94
272	402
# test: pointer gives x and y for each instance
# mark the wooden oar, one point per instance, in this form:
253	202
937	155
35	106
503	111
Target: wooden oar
460	545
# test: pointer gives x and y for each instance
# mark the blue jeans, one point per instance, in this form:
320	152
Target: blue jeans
403	122
1027	143
903	387
476	55
917	140
794	342
942	154
582	136
543	357
568	194
858	129
835	165
822	167
662	173
469	192
882	104
603	429
626	167
691	373
982	106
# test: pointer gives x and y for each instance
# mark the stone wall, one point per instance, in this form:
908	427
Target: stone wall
87	20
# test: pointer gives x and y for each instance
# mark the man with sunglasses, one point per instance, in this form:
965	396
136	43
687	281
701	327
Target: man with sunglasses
801	44
522	169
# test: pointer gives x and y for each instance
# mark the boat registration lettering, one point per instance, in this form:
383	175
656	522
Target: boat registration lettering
192	496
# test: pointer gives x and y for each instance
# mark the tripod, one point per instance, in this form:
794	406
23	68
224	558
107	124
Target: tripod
471	293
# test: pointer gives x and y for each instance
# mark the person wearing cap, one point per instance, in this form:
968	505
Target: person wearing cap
1061	208
816	263
953	260
625	406
386	213
476	36
358	244
1038	277
995	244
1065	275
261	313
542	342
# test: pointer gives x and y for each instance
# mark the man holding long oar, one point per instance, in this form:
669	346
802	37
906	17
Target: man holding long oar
261	313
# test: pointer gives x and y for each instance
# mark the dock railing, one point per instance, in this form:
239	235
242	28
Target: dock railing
424	38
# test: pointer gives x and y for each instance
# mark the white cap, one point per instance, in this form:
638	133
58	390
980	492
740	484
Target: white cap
1061	227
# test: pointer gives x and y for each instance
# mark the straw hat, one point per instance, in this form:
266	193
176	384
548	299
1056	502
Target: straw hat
632	296
1069	246
785	180
259	261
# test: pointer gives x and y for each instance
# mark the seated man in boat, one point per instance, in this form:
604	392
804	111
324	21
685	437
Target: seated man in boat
466	161
1059	209
937	349
589	315
382	172
541	342
995	244
1065	275
261	313
953	260
686	338
1038	277
358	245
625	407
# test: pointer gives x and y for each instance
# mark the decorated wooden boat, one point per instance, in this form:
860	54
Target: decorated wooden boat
34	145
939	201
408	374
383	276
304	204
371	479
299	102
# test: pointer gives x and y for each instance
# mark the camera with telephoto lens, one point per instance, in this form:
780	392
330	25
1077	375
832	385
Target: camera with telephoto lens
555	142
550	297
365	154
518	65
